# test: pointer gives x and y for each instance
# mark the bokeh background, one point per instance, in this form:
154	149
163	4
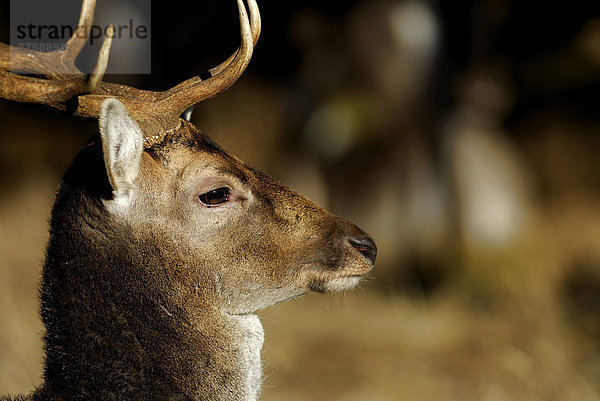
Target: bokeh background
463	135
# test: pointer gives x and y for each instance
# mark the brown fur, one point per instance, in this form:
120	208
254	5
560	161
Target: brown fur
148	306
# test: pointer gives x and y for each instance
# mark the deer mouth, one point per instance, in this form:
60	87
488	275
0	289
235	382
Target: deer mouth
346	271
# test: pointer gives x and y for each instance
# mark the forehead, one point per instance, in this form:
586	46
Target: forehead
188	149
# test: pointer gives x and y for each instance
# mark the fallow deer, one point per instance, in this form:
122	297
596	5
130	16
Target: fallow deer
162	244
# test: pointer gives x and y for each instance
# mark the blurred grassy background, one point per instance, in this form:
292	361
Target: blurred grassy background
462	135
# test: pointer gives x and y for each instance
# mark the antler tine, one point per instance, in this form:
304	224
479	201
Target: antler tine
82	33
195	90
102	63
61	64
255	26
255	22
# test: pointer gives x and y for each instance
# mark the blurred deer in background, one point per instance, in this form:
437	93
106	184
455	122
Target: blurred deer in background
163	245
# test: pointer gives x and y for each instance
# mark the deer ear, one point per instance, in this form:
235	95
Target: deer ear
122	146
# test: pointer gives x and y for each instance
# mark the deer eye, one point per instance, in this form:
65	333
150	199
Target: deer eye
215	197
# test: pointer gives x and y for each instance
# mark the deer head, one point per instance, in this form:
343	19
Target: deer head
163	244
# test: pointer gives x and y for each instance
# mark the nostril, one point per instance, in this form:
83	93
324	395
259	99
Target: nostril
365	246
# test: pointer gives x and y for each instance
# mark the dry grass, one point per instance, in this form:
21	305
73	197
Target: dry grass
23	233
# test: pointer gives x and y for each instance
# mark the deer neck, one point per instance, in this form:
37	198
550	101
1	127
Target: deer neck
114	330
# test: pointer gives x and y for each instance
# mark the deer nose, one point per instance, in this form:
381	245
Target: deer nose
365	246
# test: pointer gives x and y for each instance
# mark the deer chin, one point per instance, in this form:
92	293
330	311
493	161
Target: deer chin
332	282
342	283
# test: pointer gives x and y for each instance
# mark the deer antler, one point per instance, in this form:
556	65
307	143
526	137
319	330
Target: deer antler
63	80
64	87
